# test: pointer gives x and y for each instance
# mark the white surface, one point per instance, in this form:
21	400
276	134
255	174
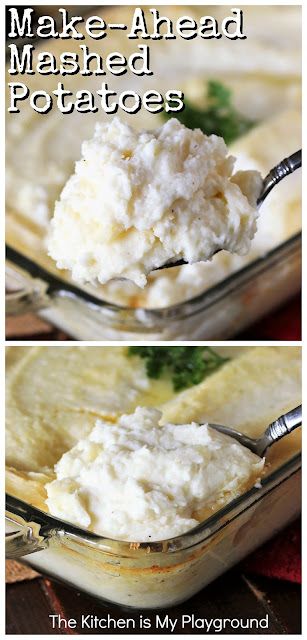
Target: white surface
140	199
138	480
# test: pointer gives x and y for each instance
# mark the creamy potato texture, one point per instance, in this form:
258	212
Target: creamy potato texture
254	387
266	85
138	200
280	216
139	480
56	395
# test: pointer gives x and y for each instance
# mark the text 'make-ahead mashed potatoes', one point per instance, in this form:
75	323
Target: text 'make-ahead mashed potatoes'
139	480
138	200
266	88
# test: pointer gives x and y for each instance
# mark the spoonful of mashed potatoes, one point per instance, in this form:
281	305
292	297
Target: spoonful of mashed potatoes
141	200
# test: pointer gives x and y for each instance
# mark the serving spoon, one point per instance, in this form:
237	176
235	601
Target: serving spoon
274	432
278	173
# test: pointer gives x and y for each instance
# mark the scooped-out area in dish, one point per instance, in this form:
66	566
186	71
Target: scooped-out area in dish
70	449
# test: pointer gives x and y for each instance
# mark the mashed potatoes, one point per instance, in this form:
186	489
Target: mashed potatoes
59	397
140	199
280	217
136	480
55	396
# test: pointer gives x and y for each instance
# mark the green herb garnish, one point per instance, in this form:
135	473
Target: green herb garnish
219	116
187	365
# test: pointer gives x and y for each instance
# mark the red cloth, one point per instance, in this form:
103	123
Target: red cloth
282	324
279	558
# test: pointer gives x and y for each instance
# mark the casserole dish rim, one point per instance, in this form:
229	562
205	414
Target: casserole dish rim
51	526
55	286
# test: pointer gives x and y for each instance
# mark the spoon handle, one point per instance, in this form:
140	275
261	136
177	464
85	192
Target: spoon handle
278	173
283	425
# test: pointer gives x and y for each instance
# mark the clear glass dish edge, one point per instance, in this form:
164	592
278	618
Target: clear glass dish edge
49	526
58	287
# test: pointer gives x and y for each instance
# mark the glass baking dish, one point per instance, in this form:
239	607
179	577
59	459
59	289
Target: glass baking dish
218	313
158	574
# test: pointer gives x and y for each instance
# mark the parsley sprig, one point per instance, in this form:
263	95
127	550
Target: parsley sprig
186	365
219	116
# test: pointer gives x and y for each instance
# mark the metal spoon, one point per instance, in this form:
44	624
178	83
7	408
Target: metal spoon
278	173
274	432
